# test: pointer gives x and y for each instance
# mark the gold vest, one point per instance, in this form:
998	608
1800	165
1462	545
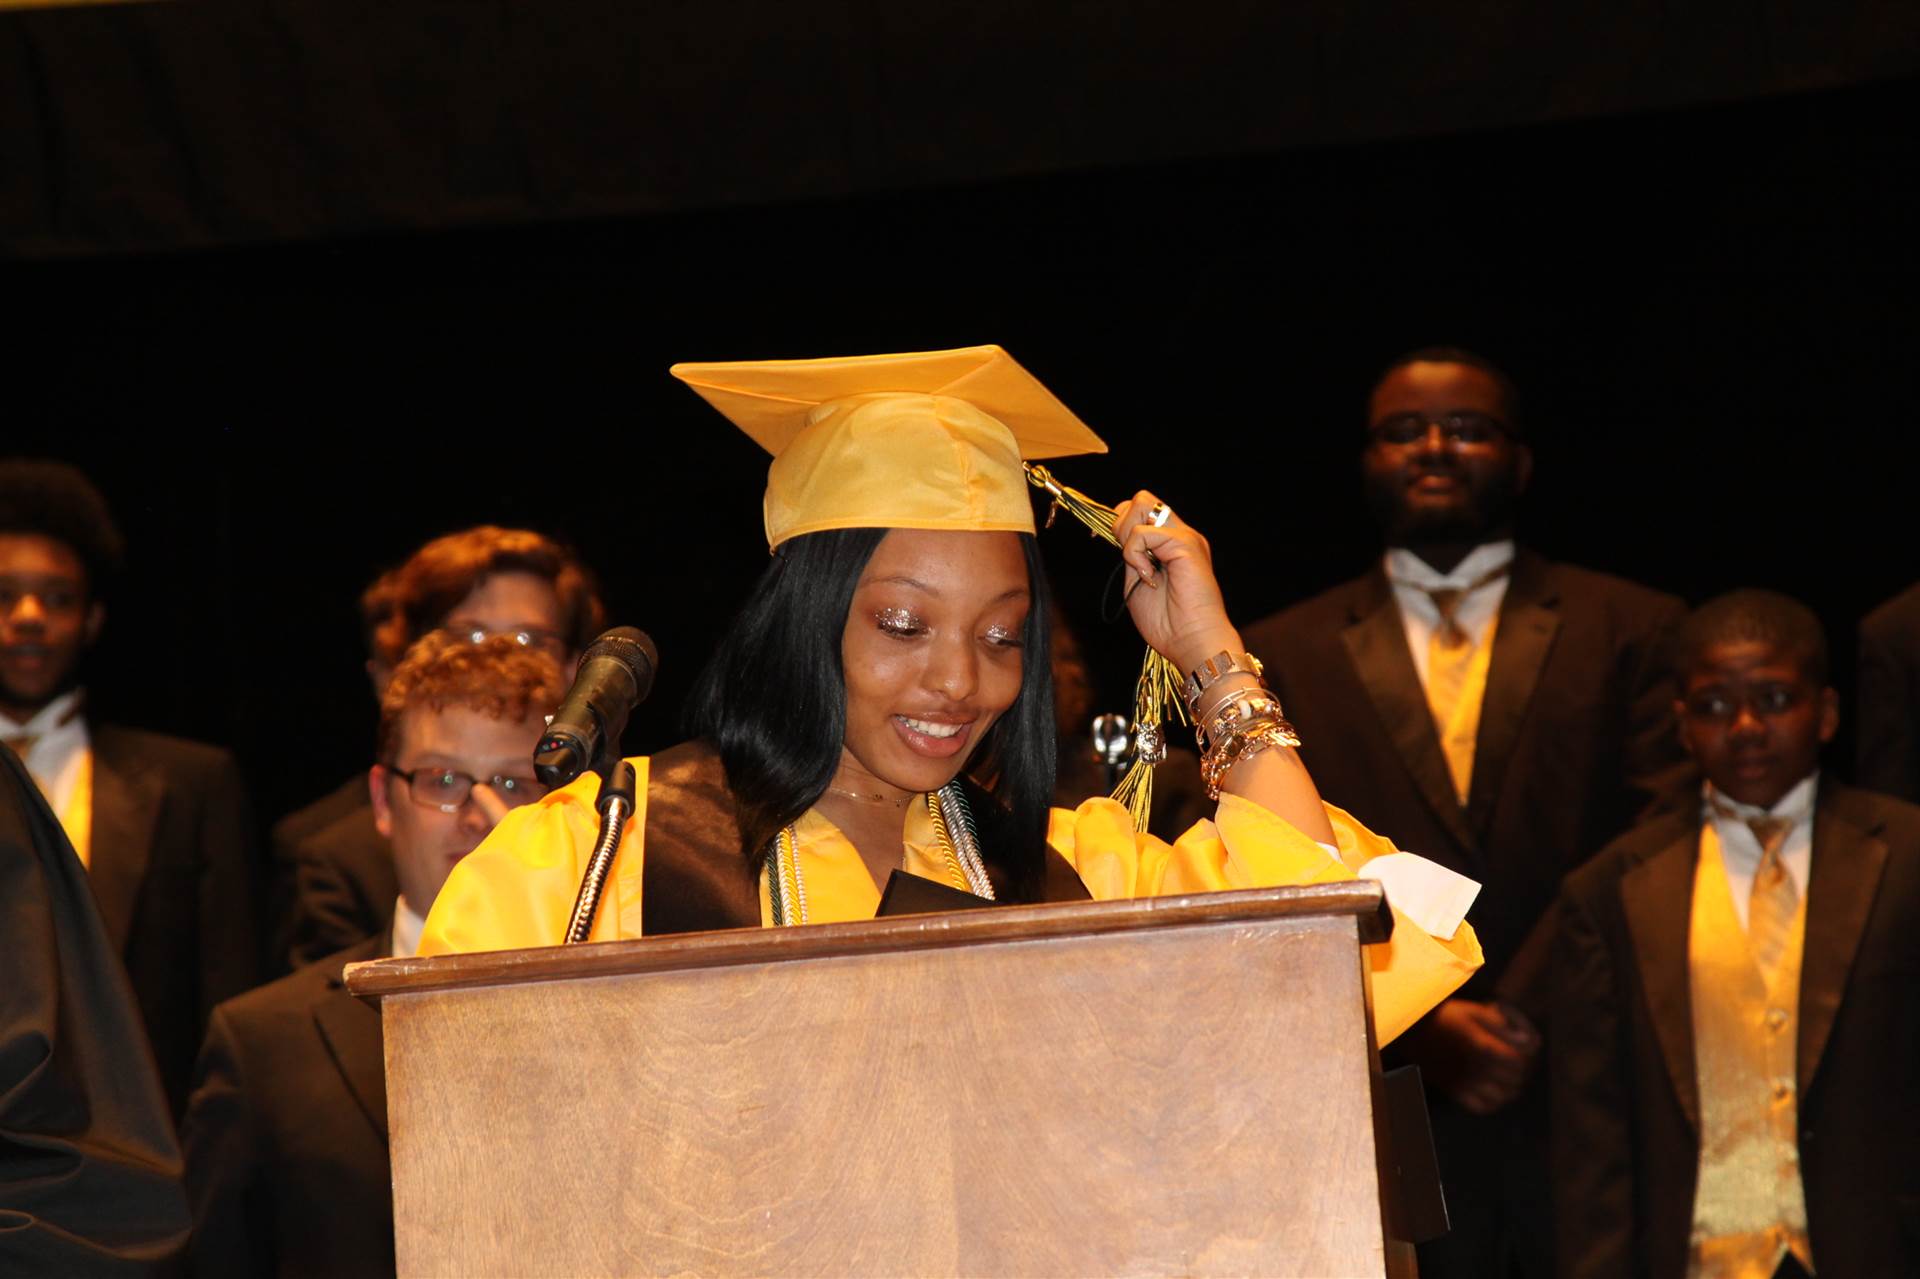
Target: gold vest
1456	688
76	817
1749	1207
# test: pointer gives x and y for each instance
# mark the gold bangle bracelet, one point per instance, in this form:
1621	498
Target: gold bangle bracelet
1244	745
1236	712
1220	664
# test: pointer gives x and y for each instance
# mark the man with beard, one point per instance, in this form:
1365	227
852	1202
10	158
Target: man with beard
159	823
1499	713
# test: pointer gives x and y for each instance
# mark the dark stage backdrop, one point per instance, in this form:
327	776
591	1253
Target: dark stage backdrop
1710	309
203	122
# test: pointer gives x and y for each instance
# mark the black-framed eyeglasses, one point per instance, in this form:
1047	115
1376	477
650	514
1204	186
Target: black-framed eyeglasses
1463	427
552	643
449	789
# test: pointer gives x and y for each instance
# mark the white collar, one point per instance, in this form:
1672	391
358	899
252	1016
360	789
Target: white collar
408	924
56	714
1795	806
1405	568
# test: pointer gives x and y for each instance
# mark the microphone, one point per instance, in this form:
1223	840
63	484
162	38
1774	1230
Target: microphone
1112	739
615	675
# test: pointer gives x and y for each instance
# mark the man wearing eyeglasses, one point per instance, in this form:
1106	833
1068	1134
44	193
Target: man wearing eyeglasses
334	874
286	1136
1497	712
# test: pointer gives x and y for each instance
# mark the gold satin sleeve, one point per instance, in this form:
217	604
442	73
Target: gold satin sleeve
517	889
1245	846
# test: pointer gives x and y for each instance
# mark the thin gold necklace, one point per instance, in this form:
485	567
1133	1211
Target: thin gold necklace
952	826
867	799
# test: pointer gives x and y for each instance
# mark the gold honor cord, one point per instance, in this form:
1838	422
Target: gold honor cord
1159	684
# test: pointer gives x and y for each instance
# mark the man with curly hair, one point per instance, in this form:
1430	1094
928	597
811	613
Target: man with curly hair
334	871
286	1138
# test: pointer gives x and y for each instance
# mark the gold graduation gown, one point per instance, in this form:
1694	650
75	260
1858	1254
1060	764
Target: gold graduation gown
680	849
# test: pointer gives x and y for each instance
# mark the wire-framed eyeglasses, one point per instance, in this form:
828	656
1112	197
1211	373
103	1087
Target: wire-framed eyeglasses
551	643
449	789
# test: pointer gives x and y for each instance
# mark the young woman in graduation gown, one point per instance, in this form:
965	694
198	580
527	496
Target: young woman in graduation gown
893	653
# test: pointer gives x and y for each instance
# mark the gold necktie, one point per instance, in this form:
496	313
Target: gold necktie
1457	681
1774	900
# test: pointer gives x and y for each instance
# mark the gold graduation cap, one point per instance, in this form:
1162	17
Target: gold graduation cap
930	439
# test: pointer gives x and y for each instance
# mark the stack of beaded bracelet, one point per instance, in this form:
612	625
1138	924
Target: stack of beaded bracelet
1240	725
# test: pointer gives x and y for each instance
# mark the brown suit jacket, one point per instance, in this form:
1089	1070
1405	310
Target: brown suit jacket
1887	754
1626	1109
1575	740
1576	733
286	1139
171	867
349	795
334	880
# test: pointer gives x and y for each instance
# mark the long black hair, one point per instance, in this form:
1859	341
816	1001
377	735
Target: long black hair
773	701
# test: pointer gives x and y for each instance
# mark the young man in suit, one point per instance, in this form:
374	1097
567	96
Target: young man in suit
160	824
1736	1020
334	873
286	1139
1495	711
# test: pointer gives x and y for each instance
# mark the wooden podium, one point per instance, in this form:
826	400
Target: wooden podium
1177	1085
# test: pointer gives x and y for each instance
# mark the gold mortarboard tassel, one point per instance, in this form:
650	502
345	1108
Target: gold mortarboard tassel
1159	683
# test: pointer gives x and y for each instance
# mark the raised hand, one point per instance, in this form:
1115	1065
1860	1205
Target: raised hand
1171	591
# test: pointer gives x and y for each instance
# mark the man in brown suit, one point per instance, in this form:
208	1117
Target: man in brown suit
334	875
286	1138
1497	712
1739	980
160	823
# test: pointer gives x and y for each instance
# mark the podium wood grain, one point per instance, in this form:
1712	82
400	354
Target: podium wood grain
1174	1087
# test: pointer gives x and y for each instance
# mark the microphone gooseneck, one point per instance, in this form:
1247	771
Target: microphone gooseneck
616	806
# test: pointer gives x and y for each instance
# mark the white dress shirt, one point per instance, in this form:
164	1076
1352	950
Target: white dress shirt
407	927
1740	849
61	746
1412	577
